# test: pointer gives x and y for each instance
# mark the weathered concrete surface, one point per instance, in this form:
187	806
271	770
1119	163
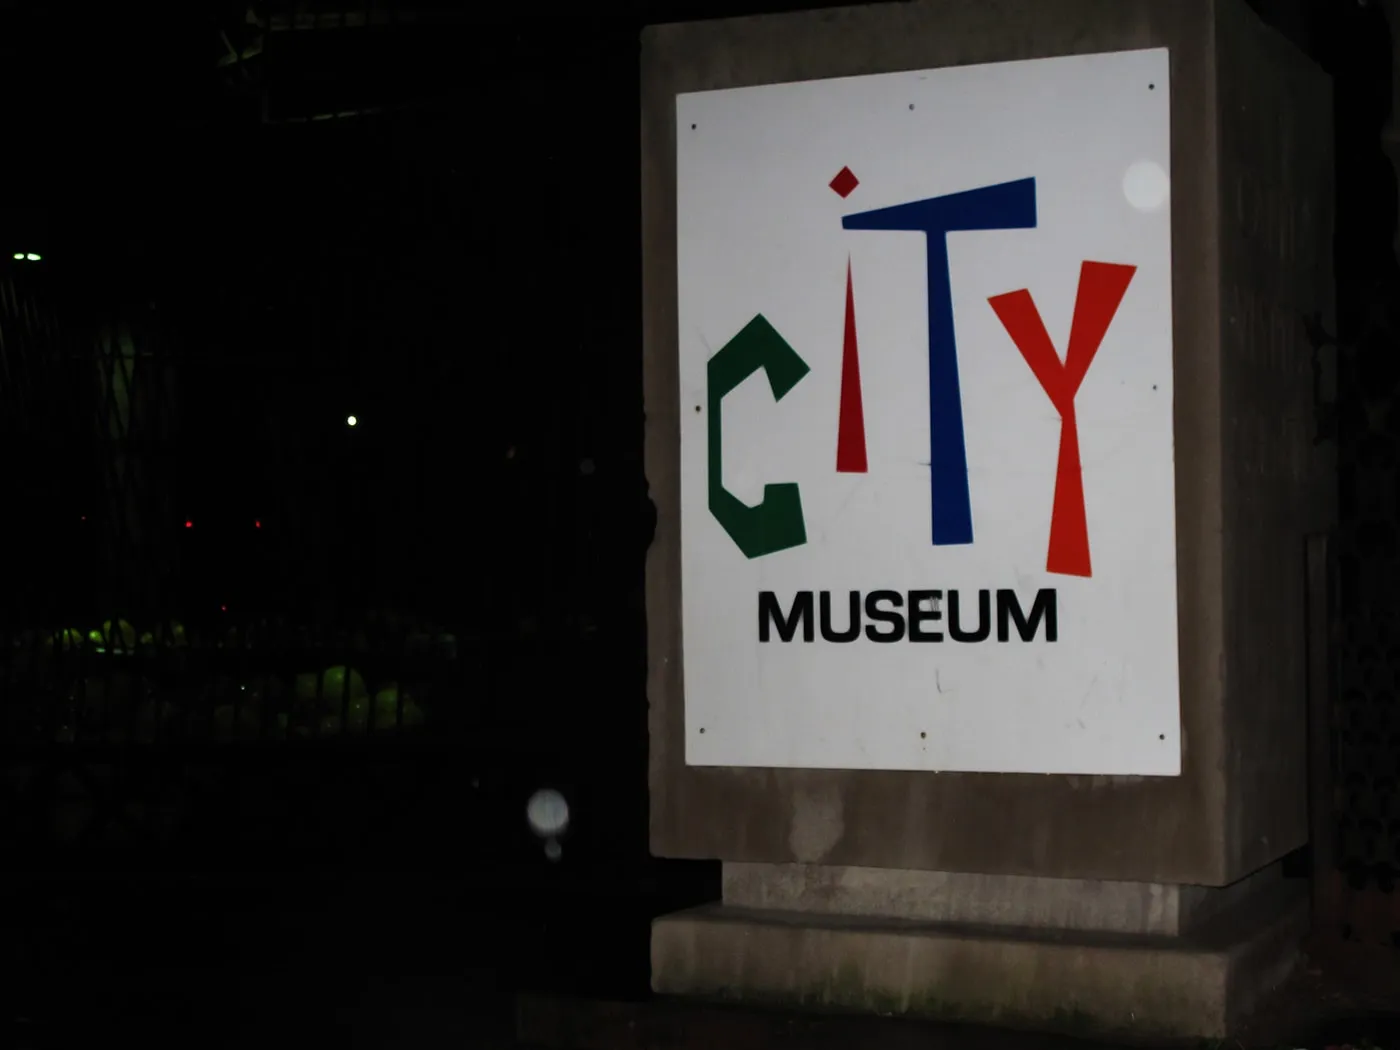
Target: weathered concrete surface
1165	909
1239	801
1279	482
1143	987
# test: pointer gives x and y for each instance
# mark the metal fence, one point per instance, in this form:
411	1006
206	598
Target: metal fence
124	680
1358	845
235	620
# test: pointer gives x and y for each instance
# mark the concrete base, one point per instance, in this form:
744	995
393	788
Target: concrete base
1199	984
988	900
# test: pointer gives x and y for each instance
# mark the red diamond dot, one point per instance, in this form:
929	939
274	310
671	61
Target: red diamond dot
844	182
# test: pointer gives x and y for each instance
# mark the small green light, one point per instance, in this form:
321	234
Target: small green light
32	257
19	255
350	421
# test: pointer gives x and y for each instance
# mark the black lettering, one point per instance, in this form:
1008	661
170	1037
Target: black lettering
770	613
923	605
852	631
1043	608
984	618
874	613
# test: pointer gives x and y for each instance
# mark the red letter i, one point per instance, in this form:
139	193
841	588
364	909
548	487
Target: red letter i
850	433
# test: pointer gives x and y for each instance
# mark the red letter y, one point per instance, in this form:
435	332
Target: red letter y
1101	289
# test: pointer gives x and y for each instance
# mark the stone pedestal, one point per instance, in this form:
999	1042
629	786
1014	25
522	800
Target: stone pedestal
1117	904
1104	958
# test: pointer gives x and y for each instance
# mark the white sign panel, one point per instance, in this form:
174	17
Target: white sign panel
926	440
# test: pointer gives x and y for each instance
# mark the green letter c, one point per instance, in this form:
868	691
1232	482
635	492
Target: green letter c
776	523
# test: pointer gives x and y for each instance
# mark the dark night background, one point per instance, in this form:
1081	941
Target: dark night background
433	225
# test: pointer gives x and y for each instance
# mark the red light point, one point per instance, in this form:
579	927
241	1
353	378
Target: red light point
223	608
257	524
189	524
844	183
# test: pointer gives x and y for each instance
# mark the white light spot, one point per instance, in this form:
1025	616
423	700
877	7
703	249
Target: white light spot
547	813
350	421
1146	185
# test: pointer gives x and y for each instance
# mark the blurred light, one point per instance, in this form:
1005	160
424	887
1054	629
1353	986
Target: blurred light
189	524
223	608
547	813
257	524
350	421
19	255
32	257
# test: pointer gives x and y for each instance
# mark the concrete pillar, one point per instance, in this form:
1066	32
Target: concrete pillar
1129	905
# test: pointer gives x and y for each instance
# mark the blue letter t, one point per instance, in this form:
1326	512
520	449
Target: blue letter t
1007	206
